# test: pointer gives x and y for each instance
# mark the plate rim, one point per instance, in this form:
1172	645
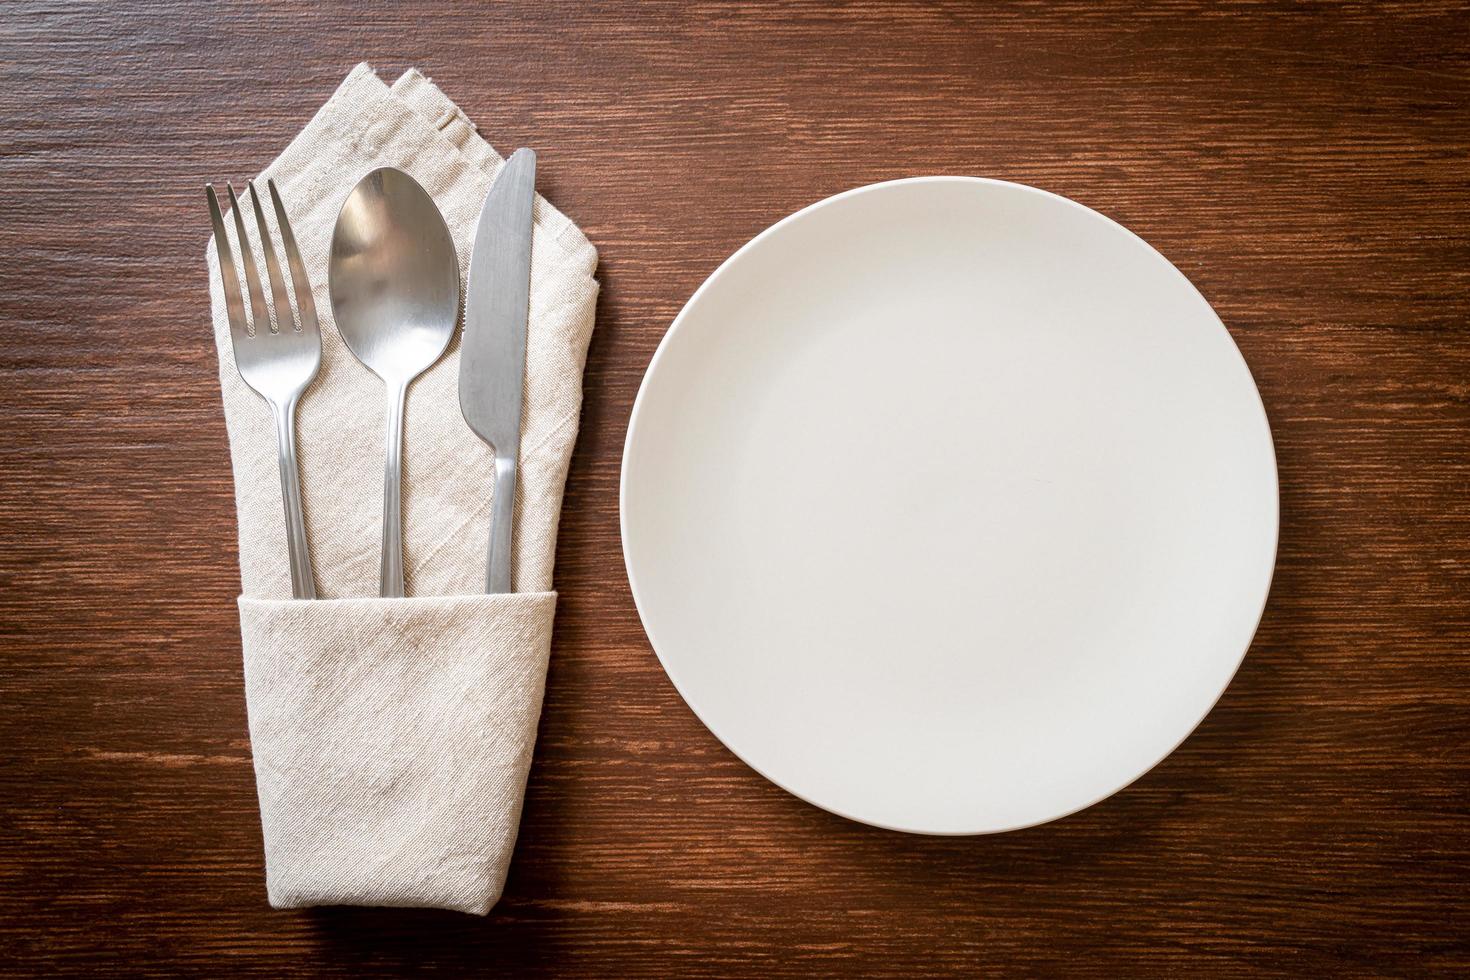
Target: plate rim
664	345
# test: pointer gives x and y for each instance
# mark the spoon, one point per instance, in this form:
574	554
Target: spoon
394	281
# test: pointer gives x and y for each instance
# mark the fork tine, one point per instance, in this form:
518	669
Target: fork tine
305	305
272	265
234	306
259	314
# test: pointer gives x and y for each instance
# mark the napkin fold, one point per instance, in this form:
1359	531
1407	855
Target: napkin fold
392	737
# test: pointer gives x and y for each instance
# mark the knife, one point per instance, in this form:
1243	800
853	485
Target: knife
492	363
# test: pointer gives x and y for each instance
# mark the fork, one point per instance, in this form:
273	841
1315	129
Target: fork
277	360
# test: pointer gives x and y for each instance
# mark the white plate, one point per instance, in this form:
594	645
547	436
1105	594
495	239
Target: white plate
949	505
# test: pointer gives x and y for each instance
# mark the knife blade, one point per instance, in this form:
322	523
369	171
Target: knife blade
492	365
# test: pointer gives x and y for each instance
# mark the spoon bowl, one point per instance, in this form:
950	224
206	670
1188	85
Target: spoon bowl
393	276
394	282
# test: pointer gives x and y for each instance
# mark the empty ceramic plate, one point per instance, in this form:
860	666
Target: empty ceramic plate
949	505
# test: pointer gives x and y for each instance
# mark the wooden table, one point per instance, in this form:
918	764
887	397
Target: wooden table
1307	168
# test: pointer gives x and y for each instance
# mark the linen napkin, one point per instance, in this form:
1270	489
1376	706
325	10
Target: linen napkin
392	737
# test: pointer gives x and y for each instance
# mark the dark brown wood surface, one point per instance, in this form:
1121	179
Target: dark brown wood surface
1307	166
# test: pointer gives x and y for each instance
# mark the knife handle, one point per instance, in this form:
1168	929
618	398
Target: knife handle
502	524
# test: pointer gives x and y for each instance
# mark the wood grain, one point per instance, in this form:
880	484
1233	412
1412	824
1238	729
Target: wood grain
1308	166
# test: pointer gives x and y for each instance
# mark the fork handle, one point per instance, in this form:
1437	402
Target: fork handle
303	583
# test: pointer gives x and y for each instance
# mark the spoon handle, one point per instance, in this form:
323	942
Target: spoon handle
390	578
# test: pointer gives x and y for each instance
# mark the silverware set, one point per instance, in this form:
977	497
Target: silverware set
393	278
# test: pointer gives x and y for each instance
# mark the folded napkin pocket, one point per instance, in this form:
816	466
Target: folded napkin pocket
392	738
